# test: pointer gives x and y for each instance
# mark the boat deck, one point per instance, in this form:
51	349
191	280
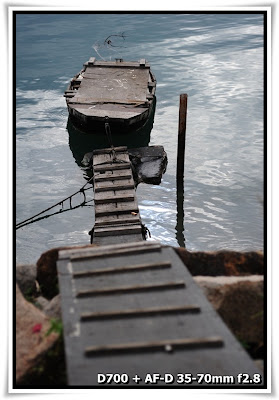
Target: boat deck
117	90
113	85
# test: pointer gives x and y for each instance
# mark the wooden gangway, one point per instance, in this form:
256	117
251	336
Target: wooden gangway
131	308
117	217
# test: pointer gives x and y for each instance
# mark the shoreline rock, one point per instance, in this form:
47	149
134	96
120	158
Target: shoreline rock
32	339
26	275
224	262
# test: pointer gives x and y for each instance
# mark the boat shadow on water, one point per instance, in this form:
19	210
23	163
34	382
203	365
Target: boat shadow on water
83	142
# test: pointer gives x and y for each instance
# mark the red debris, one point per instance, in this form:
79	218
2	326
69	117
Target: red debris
37	328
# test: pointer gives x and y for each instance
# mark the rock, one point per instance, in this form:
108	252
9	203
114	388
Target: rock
260	364
87	159
26	278
222	262
148	164
239	302
53	308
31	340
47	271
41	302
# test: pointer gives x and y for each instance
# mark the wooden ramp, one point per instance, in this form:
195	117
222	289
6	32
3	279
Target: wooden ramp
117	217
134	309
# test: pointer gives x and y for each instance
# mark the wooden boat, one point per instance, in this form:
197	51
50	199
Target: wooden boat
118	92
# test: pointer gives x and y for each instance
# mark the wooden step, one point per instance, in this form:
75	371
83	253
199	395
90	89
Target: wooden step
111	166
114	199
112	177
115	187
126	229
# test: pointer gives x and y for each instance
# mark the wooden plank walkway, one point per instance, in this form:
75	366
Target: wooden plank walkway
117	217
130	306
133	308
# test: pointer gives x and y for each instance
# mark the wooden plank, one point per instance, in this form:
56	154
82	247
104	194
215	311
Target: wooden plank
118	149
114	84
111	166
113	220
122	269
116	208
112	193
114	199
105	183
111	177
111	250
161	345
126	229
131	289
91	61
124	251
138	313
125	64
116	239
116	187
110	158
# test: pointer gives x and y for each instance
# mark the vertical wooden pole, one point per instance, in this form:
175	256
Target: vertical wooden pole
180	170
181	139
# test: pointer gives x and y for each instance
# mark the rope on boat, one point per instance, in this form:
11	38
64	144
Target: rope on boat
61	203
82	190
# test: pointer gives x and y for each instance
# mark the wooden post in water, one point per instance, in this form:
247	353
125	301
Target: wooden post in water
180	170
181	139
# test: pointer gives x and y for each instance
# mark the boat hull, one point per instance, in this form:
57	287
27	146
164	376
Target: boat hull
119	93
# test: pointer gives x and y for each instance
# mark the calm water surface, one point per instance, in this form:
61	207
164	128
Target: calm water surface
217	59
